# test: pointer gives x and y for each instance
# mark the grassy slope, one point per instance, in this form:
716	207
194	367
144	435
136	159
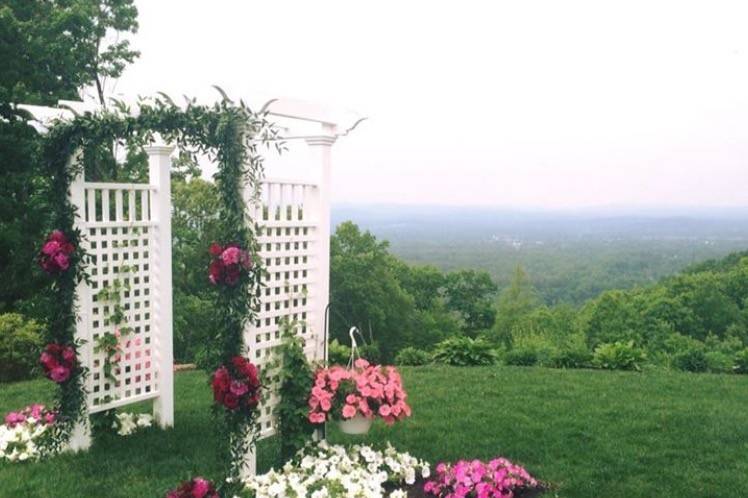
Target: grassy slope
591	434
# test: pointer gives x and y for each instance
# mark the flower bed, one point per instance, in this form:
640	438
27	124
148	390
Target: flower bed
325	470
498	478
24	433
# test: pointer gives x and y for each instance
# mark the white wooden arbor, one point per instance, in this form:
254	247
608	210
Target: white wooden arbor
128	226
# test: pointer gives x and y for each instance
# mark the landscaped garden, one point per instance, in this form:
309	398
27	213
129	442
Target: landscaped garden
584	433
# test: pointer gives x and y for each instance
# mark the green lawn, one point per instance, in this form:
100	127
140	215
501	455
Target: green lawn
588	433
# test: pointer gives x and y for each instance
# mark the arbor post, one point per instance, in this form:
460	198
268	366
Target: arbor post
159	172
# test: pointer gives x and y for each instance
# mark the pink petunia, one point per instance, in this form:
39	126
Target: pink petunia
349	411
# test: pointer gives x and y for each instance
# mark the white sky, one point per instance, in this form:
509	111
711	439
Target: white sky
524	103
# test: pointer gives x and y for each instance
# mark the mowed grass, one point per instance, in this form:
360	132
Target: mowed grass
586	433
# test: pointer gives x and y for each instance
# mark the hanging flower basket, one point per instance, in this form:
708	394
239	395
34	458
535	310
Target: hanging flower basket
355	426
356	395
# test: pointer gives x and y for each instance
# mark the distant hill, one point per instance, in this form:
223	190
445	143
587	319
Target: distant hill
571	256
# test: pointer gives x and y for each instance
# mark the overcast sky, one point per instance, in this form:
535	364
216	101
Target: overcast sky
523	103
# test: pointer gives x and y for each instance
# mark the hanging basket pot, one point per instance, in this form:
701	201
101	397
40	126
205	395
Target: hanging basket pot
357	425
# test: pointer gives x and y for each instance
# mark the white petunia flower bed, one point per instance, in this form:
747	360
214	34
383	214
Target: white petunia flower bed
127	423
327	471
22	441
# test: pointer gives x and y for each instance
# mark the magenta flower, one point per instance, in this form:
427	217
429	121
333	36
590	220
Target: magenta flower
228	264
54	256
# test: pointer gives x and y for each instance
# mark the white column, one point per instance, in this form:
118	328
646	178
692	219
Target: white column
159	168
80	439
320	148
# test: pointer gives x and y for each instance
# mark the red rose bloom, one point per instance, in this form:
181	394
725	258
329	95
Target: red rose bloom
58	362
237	386
228	264
54	256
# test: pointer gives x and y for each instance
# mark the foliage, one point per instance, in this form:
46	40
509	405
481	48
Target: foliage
340	354
521	356
470	293
295	379
413	357
718	362
50	50
195	204
571	357
337	353
741	362
464	351
20	343
691	360
515	302
618	356
365	291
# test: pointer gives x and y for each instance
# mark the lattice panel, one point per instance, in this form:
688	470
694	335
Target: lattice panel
286	217
119	235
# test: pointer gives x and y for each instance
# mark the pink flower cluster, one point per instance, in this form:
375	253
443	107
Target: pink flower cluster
194	488
228	264
58	362
498	478
55	254
369	390
40	414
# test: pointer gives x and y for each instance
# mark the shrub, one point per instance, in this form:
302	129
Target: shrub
464	351
741	362
20	343
618	356
412	357
571	357
718	362
339	354
690	360
521	356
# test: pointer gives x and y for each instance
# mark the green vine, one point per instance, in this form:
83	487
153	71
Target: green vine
109	342
228	133
295	379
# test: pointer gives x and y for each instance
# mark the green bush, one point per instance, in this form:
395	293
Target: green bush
20	344
717	362
412	357
522	356
618	356
691	360
741	362
464	351
339	354
572	357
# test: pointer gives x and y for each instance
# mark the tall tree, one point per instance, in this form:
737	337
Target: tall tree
514	303
471	293
50	50
365	291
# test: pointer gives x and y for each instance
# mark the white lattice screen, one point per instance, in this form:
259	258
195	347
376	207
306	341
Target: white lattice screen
288	238
118	233
126	231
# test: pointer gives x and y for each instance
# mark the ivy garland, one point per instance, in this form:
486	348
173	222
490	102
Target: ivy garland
230	134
